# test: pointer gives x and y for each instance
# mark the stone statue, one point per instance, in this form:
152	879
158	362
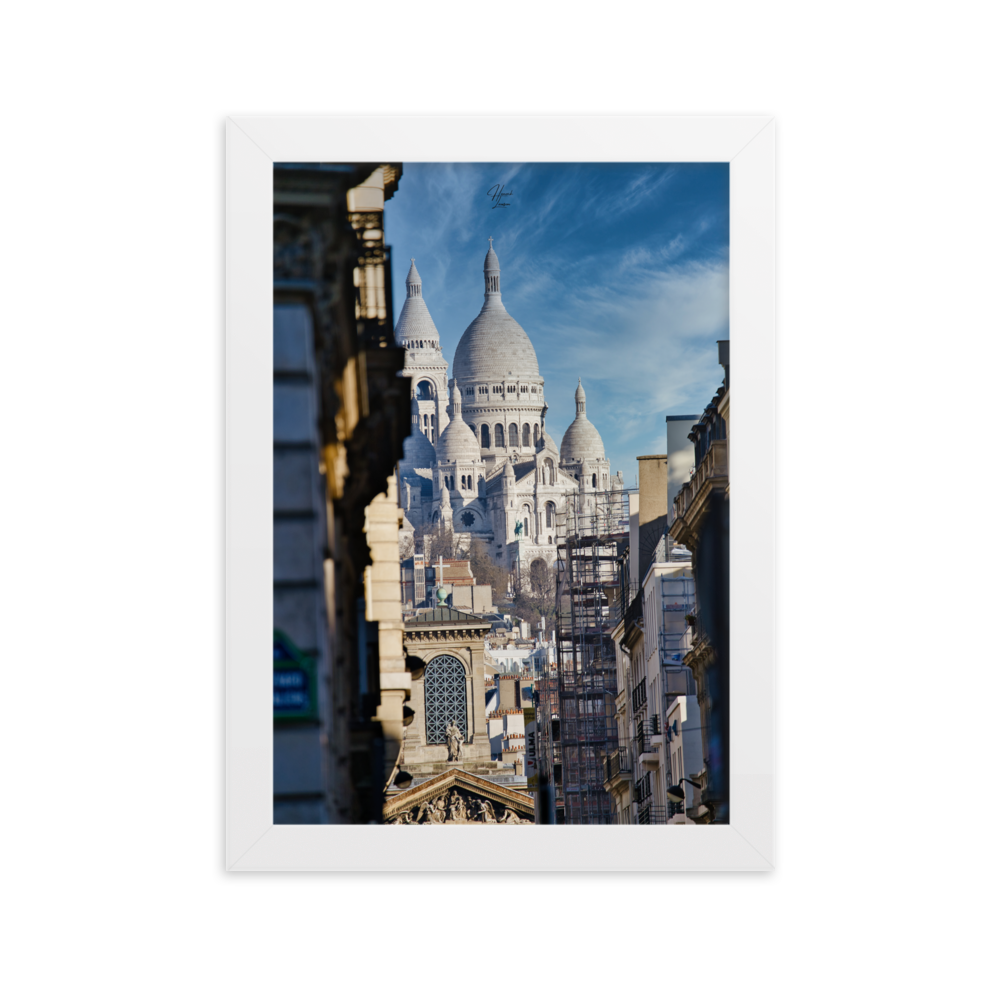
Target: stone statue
437	811
431	811
454	737
509	816
456	808
483	811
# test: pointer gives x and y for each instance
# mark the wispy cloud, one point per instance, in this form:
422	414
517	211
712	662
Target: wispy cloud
618	273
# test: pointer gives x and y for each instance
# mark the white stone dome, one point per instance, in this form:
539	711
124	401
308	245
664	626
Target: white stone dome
581	440
546	443
457	442
418	452
415	323
494	345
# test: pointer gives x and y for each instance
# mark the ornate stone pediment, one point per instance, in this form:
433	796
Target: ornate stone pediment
457	797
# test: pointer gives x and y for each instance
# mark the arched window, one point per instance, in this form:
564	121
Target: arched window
528	521
550	509
593	480
498	435
437	516
485	436
512	441
425	390
526	435
537	434
445	698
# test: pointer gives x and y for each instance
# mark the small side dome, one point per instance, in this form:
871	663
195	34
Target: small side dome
458	442
546	443
418	452
581	440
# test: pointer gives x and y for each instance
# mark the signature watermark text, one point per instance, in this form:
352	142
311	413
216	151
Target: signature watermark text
497	194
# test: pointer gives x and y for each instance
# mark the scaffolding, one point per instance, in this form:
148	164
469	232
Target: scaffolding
576	697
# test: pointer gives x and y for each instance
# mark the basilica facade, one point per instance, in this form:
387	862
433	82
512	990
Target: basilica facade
480	457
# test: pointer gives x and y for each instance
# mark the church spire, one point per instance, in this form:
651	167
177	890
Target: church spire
491	272
581	399
414	286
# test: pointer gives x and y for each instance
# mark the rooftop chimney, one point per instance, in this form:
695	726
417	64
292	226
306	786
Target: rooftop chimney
654	508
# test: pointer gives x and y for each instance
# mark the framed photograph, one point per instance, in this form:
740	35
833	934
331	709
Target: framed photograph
561	288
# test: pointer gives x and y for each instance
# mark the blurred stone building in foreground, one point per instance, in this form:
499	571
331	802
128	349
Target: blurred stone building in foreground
341	413
701	523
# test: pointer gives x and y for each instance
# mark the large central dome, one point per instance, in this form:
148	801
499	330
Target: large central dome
494	345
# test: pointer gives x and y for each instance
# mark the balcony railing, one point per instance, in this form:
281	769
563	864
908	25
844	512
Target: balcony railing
649	815
644	733
639	695
617	762
715	465
642	790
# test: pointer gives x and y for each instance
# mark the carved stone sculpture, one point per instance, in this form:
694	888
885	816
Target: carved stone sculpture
438	813
454	737
457	812
482	811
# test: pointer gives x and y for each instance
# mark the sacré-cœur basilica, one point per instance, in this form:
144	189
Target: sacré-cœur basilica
480	457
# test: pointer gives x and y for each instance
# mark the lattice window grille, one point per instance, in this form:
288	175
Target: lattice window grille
445	698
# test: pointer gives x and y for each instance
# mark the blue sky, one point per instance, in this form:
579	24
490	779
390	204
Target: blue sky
618	272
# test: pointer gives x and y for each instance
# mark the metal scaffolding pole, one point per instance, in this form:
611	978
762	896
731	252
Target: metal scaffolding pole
576	704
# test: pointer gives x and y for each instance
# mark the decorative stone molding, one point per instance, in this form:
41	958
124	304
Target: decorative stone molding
458	797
